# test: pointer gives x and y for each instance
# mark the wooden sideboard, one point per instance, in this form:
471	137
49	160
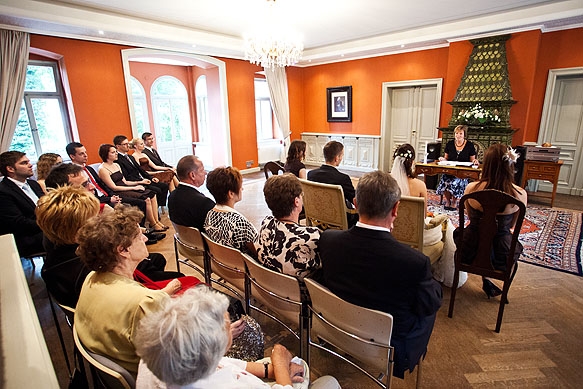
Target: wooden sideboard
361	152
539	170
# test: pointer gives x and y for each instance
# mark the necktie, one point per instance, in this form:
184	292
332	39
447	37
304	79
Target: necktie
99	189
29	192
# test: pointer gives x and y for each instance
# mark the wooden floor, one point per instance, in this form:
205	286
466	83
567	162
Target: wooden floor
540	344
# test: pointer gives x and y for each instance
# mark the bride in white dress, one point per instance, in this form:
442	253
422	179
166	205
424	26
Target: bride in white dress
403	171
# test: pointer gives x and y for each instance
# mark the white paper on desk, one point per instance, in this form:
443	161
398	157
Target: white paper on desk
454	163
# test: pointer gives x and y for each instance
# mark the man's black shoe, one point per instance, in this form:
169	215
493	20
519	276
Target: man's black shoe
156	236
151	241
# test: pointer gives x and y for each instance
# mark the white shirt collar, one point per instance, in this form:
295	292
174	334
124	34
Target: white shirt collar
371	227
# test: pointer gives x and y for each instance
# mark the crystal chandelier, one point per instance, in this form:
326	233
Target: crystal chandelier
272	46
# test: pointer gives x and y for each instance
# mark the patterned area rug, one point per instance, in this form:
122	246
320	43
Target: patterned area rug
551	237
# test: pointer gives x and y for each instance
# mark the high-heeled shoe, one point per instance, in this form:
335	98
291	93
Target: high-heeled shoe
490	289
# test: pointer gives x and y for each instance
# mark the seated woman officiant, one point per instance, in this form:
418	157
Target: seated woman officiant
462	150
497	173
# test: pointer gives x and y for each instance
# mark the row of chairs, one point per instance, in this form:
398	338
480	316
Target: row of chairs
362	333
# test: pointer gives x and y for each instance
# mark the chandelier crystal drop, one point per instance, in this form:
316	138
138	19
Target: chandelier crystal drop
272	46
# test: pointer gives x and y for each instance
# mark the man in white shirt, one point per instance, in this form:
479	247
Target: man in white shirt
18	198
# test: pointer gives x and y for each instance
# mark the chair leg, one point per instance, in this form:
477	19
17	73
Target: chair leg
456	277
176	255
503	299
60	335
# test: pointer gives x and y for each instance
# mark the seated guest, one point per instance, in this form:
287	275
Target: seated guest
113	177
366	266
497	173
329	174
60	214
183	345
163	173
43	165
285	245
186	205
133	172
295	155
223	223
151	152
111	303
78	154
18	198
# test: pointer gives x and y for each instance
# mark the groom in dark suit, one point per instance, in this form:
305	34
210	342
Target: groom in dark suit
132	171
150	151
186	205
329	174
366	266
18	198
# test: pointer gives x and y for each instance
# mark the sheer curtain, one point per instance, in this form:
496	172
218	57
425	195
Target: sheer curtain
277	84
14	46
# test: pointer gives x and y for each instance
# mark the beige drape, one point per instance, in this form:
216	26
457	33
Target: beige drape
277	84
14	46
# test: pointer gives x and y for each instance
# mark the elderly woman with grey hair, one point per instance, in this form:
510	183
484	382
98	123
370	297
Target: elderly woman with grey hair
182	345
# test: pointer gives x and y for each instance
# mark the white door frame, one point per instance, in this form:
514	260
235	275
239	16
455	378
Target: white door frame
386	141
546	119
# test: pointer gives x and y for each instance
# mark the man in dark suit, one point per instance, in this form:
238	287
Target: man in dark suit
366	266
150	151
18	198
329	174
132	171
186	205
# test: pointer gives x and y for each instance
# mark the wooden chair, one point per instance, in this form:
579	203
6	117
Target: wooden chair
492	202
189	242
227	263
409	225
281	294
364	334
325	205
106	373
273	167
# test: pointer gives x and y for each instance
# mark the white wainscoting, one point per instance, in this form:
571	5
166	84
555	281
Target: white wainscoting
270	150
361	152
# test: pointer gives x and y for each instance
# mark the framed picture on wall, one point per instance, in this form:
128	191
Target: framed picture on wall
339	104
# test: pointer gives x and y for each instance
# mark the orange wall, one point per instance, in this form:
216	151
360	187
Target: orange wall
97	87
98	90
366	77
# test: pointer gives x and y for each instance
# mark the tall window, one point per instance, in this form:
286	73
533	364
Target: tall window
170	106
43	125
140	106
200	91
263	112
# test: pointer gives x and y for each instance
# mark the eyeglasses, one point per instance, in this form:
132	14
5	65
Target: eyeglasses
85	184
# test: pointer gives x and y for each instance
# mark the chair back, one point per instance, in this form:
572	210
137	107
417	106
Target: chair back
492	202
410	222
189	242
280	292
409	226
272	167
324	205
364	334
228	264
110	374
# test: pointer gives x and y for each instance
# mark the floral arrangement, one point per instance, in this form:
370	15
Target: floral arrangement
478	116
407	154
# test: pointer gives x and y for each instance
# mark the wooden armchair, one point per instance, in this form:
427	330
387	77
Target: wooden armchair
492	202
409	226
325	206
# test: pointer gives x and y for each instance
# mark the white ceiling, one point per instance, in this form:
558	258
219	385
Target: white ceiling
332	30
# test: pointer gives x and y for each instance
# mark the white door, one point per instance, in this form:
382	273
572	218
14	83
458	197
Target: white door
410	115
562	126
